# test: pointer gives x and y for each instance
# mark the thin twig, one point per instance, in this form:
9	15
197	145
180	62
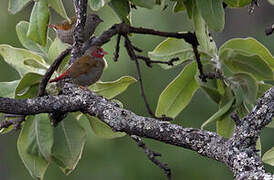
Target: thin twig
152	156
50	71
16	121
133	56
117	48
202	75
148	61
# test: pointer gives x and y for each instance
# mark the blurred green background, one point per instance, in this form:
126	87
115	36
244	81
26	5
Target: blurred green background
120	159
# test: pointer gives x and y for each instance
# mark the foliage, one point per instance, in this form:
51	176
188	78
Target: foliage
246	65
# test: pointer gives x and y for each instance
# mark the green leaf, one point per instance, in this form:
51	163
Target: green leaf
239	61
16	56
17	5
212	12
28	86
262	88
7	89
28	150
112	88
95	5
144	3
21	30
178	6
248	85
122	9
35	64
44	134
69	140
222	111
225	126
268	157
103	130
178	93
251	47
237	3
39	20
56	48
172	48
58	6
201	31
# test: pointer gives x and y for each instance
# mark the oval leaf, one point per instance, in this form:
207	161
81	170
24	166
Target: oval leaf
268	157
178	93
58	6
7	89
103	130
122	9
250	46
201	30
56	48
15	57
172	48
112	88
39	20
43	132
248	85
28	86
28	150
69	140
212	12
21	30
223	110
239	61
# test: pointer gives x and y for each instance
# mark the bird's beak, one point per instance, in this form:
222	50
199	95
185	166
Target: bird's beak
105	52
101	20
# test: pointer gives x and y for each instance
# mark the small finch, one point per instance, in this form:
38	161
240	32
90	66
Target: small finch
64	31
87	69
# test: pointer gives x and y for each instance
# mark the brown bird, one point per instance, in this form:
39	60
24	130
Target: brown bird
87	69
64	31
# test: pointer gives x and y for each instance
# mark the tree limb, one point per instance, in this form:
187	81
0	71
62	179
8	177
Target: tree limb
238	152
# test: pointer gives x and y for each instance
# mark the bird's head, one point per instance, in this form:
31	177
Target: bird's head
97	52
94	18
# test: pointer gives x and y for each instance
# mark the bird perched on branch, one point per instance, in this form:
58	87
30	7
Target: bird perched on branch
87	69
64	31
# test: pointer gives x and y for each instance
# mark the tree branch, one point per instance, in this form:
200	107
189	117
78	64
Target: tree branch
80	7
238	153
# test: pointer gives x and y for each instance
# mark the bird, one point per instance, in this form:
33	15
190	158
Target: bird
64	31
87	69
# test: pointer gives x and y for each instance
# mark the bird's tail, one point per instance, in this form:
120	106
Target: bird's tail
62	76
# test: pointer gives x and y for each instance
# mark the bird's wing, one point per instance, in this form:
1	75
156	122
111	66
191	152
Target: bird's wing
81	66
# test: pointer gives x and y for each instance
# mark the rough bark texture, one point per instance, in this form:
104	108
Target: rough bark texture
238	152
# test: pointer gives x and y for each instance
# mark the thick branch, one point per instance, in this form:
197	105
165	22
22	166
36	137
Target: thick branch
242	160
